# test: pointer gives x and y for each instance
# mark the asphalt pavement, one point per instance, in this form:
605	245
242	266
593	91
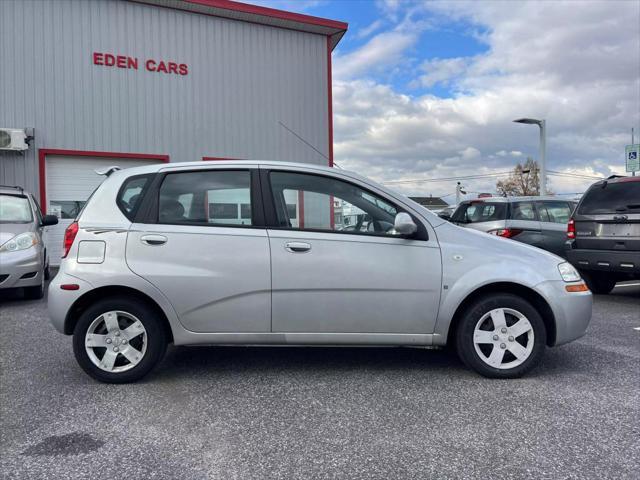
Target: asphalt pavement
280	412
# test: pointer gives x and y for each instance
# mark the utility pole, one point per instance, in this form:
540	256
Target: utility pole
633	174
459	192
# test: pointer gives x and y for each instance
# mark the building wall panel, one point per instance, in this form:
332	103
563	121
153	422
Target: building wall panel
244	79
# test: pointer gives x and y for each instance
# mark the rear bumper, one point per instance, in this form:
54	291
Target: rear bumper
605	260
572	311
15	265
59	301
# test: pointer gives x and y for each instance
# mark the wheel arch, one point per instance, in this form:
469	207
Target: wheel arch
527	293
82	303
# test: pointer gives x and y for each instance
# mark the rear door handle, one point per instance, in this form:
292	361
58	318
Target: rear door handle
297	247
154	240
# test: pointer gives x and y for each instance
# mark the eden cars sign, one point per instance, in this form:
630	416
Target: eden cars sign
132	63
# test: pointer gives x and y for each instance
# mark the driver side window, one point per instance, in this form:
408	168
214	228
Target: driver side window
314	202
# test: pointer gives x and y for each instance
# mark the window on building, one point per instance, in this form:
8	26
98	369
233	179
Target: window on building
217	197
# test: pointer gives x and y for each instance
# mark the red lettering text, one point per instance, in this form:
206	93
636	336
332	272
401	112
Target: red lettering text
151	65
184	70
98	59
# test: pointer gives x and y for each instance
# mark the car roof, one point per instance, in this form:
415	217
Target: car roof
518	199
176	166
10	190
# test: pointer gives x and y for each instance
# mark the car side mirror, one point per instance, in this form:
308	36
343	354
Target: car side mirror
404	224
445	216
49	220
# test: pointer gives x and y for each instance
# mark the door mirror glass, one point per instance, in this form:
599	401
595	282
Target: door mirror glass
404	224
49	220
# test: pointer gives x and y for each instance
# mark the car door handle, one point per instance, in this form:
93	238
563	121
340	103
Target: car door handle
154	240
297	247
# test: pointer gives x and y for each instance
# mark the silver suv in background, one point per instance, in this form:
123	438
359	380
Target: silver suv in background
24	262
256	252
538	221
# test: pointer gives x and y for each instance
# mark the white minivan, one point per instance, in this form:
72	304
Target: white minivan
271	253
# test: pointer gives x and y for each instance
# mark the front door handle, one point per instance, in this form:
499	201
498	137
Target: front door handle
153	240
297	247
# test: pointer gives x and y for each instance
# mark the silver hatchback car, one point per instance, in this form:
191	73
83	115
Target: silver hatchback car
24	262
261	253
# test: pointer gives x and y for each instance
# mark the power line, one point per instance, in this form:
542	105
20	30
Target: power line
445	179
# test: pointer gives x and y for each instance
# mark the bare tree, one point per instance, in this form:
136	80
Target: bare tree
523	181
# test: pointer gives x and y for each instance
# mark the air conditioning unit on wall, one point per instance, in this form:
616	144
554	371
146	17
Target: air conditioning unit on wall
13	139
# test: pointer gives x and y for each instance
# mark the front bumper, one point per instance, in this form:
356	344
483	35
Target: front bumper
605	260
572	311
59	301
22	263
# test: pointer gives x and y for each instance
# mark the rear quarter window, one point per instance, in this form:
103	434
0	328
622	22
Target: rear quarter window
130	194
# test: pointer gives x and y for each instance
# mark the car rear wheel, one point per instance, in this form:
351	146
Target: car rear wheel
600	284
501	336
119	341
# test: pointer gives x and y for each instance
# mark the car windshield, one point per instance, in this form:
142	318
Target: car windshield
15	209
611	198
476	212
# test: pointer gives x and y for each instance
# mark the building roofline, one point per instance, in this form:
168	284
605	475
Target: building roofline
233	10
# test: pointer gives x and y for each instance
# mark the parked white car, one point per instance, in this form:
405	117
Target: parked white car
249	252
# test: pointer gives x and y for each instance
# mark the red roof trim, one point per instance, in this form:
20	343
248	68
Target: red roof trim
270	12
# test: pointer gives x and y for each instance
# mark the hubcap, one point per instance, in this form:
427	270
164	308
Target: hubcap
116	341
503	338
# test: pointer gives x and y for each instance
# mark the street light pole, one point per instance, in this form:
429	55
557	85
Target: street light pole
542	124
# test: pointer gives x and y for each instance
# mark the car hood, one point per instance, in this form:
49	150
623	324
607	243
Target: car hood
491	248
10	230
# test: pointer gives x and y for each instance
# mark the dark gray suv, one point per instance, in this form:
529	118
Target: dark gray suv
538	221
604	233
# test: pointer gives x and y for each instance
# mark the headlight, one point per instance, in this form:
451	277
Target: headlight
20	242
568	273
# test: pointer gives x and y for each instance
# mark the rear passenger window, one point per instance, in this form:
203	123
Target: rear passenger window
554	212
216	197
129	196
523	211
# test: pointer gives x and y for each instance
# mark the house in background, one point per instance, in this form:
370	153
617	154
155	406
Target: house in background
431	202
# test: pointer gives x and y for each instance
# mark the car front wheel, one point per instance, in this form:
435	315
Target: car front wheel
501	336
119	341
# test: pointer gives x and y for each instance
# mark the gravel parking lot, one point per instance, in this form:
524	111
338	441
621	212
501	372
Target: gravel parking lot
244	412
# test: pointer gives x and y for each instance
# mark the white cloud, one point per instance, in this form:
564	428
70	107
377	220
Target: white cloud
441	70
575	64
369	29
382	51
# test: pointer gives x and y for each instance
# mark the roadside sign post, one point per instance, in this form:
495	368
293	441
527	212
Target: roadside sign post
632	158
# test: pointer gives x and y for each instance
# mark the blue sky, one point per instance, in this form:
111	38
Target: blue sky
429	89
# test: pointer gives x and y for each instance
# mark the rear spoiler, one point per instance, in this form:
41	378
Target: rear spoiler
107	170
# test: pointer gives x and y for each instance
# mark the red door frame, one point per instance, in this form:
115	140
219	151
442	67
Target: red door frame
44	152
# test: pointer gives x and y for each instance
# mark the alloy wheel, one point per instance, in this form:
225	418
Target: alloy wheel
116	341
503	338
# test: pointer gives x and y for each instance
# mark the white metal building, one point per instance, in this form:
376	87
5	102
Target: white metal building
119	82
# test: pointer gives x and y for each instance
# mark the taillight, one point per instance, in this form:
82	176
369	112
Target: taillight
69	236
571	229
506	232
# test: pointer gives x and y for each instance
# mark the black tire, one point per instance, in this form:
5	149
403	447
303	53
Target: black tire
34	293
464	337
156	344
599	283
